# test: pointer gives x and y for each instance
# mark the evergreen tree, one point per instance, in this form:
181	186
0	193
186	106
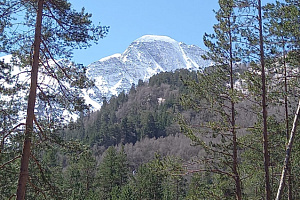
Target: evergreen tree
9	129
79	176
253	50
283	30
160	178
215	88
55	29
264	103
112	174
149	125
264	33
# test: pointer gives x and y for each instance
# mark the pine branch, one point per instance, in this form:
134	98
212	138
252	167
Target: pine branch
36	188
10	161
10	132
54	60
39	127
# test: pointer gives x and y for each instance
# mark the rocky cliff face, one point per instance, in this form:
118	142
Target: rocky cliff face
145	57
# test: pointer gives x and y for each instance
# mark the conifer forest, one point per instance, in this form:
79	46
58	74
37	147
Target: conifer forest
227	131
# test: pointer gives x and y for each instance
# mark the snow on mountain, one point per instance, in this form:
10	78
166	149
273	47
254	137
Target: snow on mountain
144	58
47	84
6	58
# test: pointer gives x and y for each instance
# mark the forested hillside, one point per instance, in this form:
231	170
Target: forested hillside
228	131
148	110
146	125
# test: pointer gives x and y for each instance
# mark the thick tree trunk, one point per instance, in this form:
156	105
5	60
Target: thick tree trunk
264	106
288	153
23	177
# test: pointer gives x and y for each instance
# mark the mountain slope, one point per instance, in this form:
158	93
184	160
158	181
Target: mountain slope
144	58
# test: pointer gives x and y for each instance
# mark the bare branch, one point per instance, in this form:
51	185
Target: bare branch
12	196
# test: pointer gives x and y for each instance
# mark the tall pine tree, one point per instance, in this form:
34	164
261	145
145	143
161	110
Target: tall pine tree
37	35
216	87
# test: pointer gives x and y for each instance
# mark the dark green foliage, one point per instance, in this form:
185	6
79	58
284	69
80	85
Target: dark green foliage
8	172
112	174
79	176
10	130
209	185
147	111
252	158
159	179
173	79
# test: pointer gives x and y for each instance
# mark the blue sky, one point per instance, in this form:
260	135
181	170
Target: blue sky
185	21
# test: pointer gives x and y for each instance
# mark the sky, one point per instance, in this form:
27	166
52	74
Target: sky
183	20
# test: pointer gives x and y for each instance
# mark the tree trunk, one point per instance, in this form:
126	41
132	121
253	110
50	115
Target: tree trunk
288	154
23	177
238	192
264	106
290	194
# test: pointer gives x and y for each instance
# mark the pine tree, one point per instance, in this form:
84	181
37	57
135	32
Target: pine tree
282	18
55	29
270	33
113	173
160	178
253	50
79	176
215	87
264	103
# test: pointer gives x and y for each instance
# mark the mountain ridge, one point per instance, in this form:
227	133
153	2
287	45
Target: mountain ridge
144	57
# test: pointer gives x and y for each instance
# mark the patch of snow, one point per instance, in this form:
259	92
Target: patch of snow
151	72
160	100
114	90
90	92
187	60
6	59
240	86
101	83
69	116
89	101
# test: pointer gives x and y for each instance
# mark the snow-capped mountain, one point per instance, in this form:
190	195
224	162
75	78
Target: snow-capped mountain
144	58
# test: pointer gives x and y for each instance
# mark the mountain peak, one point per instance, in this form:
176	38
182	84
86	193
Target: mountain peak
154	38
145	57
